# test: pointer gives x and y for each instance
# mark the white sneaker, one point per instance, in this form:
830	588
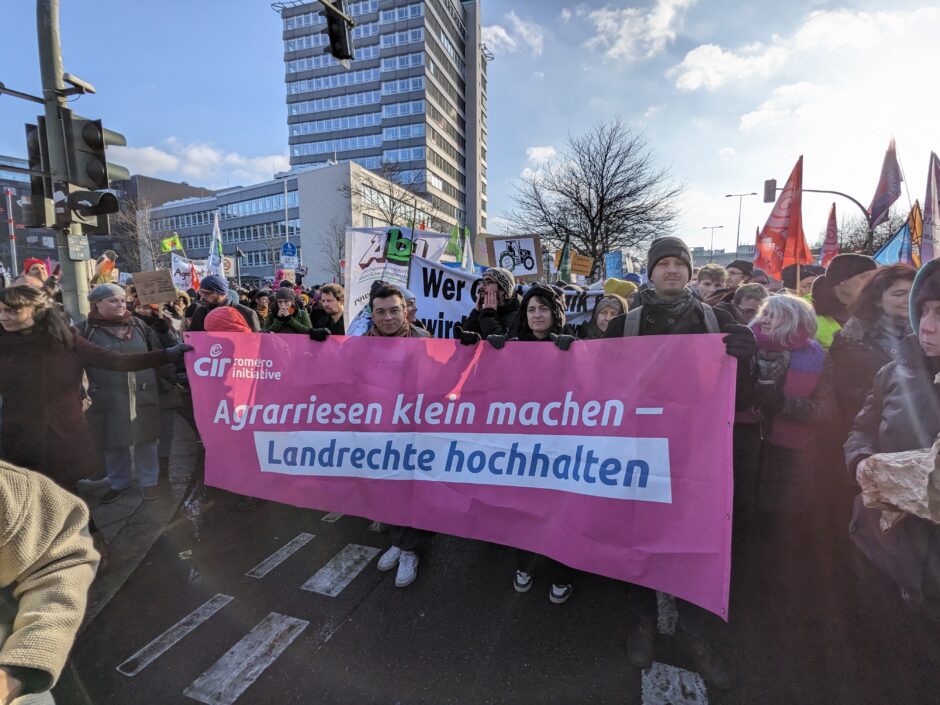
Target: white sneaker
389	559
522	582
559	594
407	569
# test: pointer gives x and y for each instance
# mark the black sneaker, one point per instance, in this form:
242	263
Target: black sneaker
112	494
641	644
522	582
559	594
708	664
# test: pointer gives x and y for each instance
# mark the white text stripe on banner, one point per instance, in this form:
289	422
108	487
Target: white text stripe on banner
232	674
649	411
147	655
280	555
332	578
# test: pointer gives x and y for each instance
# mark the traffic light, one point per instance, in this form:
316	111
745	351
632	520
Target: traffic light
85	144
337	29
770	191
39	214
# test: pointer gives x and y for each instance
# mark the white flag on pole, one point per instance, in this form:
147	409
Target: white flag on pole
215	264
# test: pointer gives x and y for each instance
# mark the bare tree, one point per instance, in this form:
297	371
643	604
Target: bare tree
333	248
605	193
853	231
137	242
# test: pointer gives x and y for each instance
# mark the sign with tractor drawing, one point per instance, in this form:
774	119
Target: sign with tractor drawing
521	255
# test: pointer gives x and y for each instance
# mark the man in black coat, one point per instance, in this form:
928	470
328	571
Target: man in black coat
668	307
213	292
331	309
497	307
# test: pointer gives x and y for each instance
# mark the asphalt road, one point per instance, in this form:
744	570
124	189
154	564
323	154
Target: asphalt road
811	622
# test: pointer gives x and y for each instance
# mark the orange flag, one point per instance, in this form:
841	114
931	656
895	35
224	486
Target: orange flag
781	242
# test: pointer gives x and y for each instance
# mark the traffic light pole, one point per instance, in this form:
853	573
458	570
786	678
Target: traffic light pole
74	283
11	227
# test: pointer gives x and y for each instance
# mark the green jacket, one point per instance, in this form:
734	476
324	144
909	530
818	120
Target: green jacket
826	327
298	323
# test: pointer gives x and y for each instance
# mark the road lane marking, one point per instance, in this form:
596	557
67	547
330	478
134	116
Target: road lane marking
332	517
649	411
669	685
667	614
280	555
332	578
152	651
232	674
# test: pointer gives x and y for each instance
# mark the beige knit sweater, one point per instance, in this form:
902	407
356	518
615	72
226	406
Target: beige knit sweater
46	550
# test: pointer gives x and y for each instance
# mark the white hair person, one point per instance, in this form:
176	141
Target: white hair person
786	319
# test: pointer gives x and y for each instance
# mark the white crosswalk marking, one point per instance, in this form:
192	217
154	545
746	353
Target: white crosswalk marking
332	578
232	674
332	517
156	648
280	555
668	616
669	685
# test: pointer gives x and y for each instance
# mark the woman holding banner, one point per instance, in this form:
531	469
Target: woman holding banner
541	319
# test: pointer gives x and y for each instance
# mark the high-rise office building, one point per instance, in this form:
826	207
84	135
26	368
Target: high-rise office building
412	105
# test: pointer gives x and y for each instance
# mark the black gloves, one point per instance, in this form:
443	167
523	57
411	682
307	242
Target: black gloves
562	342
739	341
175	354
467	337
497	341
319	334
769	397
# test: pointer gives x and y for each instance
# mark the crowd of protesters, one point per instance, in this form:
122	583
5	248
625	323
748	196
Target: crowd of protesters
854	345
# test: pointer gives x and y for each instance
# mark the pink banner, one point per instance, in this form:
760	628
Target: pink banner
613	457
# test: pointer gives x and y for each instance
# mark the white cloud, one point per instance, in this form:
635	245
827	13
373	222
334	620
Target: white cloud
785	103
199	162
633	33
520	35
538	76
539	155
565	14
727	152
711	67
652	112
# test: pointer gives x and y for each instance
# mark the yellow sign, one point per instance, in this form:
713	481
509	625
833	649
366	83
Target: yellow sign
580	264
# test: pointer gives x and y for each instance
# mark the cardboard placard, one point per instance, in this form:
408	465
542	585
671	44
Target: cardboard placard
580	264
155	287
521	255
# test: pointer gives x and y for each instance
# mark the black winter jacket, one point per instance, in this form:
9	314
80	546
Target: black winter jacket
502	321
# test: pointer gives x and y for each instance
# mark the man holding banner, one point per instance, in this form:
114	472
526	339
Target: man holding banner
497	306
668	308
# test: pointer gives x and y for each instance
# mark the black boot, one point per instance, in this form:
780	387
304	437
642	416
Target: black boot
708	664
164	470
641	644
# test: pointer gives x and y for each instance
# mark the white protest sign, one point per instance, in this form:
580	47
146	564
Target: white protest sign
374	254
445	296
181	269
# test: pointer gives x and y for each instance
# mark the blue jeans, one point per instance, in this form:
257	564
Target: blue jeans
117	462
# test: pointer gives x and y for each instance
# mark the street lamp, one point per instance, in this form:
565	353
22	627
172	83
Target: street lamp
740	197
713	228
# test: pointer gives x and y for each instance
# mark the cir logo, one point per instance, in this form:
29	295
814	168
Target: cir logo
212	366
215	350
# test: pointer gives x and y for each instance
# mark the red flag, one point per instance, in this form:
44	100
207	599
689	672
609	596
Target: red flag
830	247
889	187
781	242
193	277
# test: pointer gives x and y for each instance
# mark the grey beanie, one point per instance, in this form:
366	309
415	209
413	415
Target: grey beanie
409	295
104	291
503	278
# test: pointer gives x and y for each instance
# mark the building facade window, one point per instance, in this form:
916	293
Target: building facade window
403	85
343	144
405	154
309	63
346	122
412	107
408	36
335	80
406	61
401	14
403	132
336	102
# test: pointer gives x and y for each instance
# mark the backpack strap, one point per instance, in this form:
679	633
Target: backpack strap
631	325
711	320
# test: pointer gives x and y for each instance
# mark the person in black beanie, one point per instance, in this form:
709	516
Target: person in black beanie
669	308
214	292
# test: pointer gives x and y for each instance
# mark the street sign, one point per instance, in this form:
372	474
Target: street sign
228	267
289	262
78	248
289	249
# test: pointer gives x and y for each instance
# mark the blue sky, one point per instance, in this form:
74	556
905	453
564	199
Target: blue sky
728	94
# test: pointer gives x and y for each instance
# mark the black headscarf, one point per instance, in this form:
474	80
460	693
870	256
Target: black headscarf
550	296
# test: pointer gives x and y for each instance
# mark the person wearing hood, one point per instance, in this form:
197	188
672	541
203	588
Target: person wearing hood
870	339
125	406
497	307
902	413
288	316
668	307
412	301
541	319
607	308
214	292
834	292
